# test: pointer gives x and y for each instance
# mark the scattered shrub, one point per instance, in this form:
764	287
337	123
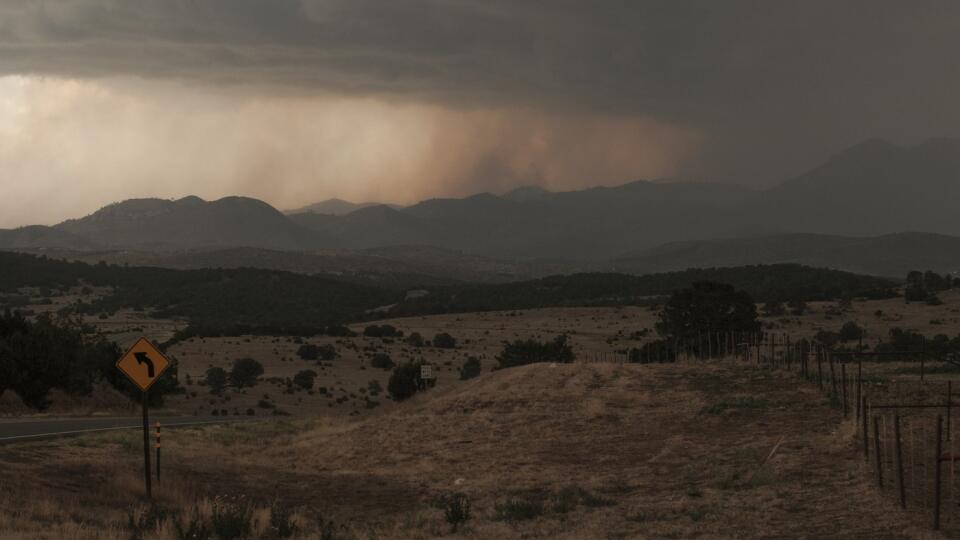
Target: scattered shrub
245	372
405	381
471	368
517	510
308	352
216	379
304	378
444	340
850	331
382	361
415	340
456	510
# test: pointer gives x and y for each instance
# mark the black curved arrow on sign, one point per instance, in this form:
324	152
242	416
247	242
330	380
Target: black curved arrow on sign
142	358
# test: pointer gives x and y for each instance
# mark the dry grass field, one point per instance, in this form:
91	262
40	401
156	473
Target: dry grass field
542	451
721	449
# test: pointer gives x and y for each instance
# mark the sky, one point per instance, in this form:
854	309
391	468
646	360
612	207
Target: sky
296	101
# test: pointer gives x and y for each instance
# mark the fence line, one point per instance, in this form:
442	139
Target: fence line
908	445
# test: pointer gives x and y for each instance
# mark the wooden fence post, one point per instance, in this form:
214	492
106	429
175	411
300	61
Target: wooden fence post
833	378
859	384
876	450
820	368
899	448
938	475
843	381
949	406
866	432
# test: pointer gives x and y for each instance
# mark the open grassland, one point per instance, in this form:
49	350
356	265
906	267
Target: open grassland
720	449
350	385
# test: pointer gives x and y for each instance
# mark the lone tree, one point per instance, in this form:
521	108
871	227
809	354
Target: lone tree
444	340
308	352
415	340
382	361
850	331
216	379
304	378
471	368
405	381
245	372
707	306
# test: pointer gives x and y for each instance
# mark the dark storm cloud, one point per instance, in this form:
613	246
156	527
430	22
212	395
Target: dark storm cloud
773	85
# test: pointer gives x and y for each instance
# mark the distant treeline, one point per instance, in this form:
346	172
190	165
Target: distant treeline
778	282
272	301
255	301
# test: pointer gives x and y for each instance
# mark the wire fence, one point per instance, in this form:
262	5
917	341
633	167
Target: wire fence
905	425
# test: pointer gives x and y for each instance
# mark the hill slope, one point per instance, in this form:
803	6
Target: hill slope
872	188
888	255
191	223
610	450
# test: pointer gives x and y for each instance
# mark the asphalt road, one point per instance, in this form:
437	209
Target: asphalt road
26	429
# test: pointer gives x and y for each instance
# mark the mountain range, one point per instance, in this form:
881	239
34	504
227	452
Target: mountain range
851	213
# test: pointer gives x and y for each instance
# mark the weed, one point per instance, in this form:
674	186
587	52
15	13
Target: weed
738	403
147	521
457	510
231	520
280	524
518	510
195	529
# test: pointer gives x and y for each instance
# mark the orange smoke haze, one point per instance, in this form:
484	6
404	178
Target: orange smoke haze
68	147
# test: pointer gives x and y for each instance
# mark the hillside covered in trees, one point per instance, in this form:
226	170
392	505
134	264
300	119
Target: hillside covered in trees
781	282
245	300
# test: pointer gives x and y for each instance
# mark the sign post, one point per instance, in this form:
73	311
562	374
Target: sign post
426	374
143	364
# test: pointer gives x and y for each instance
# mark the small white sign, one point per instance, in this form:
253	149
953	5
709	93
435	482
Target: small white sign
426	371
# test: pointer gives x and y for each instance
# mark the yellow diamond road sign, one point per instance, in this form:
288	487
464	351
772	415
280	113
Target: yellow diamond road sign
143	364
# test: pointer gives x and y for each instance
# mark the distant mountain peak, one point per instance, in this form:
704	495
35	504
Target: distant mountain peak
527	193
336	207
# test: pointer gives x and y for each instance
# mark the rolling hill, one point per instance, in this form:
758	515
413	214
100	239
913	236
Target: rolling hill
888	255
191	223
334	207
874	189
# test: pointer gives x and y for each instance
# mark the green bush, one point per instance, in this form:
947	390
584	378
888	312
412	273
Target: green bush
216	379
850	331
444	340
382	361
471	368
415	340
405	381
304	378
245	372
308	352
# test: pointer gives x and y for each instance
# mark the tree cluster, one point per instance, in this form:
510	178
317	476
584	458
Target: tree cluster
528	351
55	353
